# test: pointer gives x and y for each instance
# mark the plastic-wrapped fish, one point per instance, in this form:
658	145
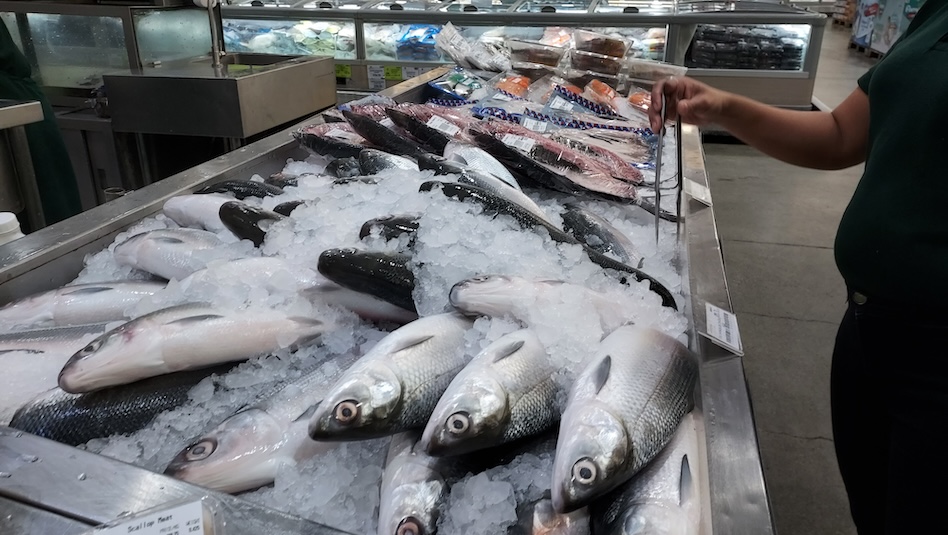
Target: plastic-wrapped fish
338	140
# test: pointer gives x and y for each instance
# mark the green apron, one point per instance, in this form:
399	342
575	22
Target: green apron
54	174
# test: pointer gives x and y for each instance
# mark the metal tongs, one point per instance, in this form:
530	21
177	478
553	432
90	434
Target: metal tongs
658	174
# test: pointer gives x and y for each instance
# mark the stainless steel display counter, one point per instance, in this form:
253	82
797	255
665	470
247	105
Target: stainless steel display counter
53	256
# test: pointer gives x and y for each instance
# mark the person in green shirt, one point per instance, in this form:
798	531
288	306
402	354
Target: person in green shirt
889	378
55	178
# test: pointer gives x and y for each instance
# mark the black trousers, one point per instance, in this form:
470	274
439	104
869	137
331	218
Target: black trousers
889	388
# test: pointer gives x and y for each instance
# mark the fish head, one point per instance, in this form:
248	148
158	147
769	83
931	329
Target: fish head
546	521
238	455
469	416
359	405
117	357
593	447
411	507
489	295
655	519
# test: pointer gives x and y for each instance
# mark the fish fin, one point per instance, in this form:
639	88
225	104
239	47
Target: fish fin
602	373
313	322
31	351
552	281
508	350
308	413
641	263
167	239
194	319
412	342
89	290
686	485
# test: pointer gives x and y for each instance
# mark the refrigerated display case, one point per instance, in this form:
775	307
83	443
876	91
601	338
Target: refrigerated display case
766	50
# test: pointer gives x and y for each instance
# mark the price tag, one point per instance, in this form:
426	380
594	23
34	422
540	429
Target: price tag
560	103
343	71
387	122
533	124
376	77
698	192
187	519
443	125
393	73
722	329
501	96
518	142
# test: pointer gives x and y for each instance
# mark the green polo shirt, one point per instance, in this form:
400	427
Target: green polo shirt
893	238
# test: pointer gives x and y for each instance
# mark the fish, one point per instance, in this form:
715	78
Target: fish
504	295
366	306
356	180
383	275
197	211
269	272
663	498
31	361
373	161
344	167
78	304
549	163
395	386
427	126
247	449
507	392
631	147
75	419
243	189
491	183
599	234
338	140
282	180
474	157
494	205
248	222
621	411
286	208
391	226
618	167
414	488
182	337
167	253
546	521
381	136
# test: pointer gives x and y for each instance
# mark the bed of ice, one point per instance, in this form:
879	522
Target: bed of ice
341	487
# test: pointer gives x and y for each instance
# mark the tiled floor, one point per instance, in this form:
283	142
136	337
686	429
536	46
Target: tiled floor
777	225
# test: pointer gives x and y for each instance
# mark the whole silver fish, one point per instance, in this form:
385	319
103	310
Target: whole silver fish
663	499
247	449
480	160
78	418
622	410
588	227
502	189
366	306
396	385
197	211
179	338
505	393
373	161
503	295
269	272
60	340
80	304
167	253
414	488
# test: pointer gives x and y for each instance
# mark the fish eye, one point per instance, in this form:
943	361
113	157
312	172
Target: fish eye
585	471
410	526
90	349
458	423
480	278
200	451
346	412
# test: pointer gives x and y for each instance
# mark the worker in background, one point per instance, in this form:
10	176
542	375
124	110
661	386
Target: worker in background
889	379
54	174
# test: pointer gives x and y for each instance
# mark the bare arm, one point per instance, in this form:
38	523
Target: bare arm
818	140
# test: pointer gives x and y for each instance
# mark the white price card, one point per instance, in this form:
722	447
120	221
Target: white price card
187	519
698	192
376	77
387	122
518	142
560	103
443	125
533	124
722	329
501	96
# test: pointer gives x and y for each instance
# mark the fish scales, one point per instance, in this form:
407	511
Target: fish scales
76	304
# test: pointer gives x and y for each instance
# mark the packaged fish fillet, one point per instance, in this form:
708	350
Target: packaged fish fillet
647	72
541	90
640	98
606	96
566	101
635	148
461	84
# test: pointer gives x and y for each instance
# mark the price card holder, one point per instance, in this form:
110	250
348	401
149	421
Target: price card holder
698	192
721	328
376	77
393	74
200	517
343	71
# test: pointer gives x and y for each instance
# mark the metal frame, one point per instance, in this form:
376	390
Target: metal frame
738	496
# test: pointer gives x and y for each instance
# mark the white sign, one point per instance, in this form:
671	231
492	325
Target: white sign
387	122
187	519
722	329
518	142
560	103
443	125
533	124
698	192
376	77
